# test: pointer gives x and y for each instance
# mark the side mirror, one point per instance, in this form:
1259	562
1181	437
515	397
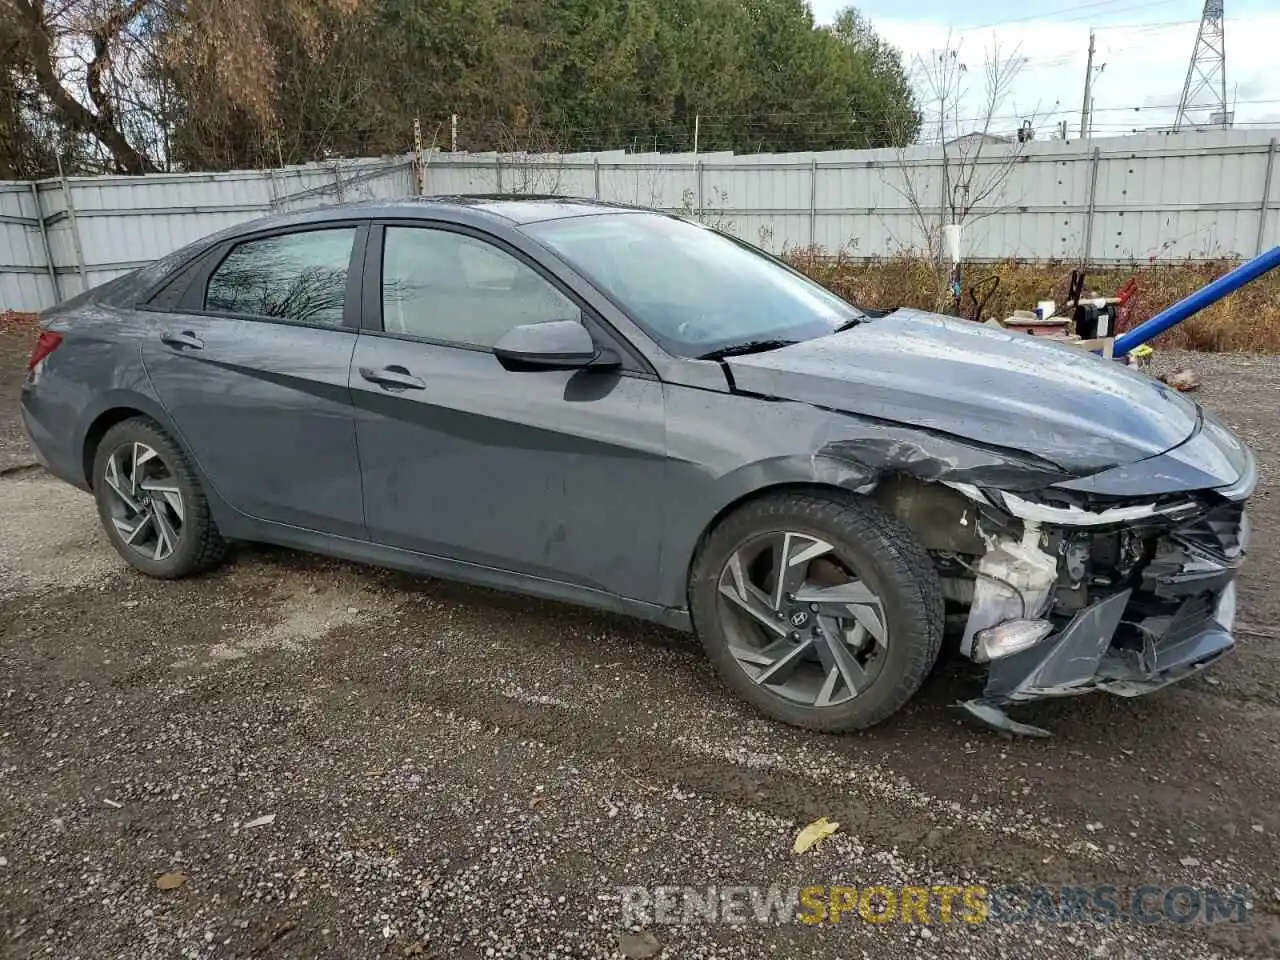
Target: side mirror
551	345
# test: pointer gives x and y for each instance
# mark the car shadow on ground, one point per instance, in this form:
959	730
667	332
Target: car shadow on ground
952	680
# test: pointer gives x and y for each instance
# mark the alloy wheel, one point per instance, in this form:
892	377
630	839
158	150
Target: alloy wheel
144	500
799	620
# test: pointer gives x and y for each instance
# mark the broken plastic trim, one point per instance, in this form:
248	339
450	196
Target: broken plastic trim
1074	516
1069	516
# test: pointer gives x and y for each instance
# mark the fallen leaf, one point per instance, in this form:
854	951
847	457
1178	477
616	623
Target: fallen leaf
261	821
170	881
638	945
820	829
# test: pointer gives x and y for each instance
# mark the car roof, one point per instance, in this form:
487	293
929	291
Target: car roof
466	209
463	208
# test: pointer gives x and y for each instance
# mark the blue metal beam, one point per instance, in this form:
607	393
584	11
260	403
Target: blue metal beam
1171	316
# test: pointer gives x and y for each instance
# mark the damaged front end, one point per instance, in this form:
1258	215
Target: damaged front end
1077	593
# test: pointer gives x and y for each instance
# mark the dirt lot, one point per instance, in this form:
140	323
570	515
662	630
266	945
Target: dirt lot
454	773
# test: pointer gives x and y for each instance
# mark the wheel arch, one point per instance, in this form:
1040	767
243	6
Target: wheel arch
931	511
113	408
728	509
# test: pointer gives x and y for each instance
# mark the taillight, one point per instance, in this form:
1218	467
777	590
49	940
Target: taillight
46	343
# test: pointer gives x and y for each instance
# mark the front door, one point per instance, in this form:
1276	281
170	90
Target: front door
252	367
553	474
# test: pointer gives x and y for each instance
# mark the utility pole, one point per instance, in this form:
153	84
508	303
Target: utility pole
1088	90
419	166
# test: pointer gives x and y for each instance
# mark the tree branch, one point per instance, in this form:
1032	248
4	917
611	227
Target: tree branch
39	42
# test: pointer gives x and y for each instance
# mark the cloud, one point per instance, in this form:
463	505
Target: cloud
1144	66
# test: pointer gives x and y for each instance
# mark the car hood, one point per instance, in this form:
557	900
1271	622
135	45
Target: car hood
981	383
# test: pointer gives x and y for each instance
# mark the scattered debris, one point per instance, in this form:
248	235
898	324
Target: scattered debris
170	881
1093	827
114	804
1183	379
1190	861
638	945
815	832
264	820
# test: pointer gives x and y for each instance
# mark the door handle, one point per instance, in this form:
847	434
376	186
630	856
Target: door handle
393	377
183	339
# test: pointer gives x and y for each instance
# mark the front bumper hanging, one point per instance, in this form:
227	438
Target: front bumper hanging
1176	621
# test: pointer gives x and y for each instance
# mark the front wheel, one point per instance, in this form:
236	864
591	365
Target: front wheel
151	504
823	611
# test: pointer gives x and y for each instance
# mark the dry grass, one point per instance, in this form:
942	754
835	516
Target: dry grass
1248	320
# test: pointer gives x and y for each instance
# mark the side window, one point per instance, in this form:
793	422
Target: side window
294	276
452	287
170	295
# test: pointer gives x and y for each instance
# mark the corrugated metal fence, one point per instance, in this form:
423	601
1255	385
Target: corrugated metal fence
1197	195
58	237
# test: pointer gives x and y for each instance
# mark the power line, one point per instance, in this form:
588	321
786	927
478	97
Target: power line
1054	14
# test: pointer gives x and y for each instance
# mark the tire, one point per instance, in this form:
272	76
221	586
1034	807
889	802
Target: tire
172	495
868	546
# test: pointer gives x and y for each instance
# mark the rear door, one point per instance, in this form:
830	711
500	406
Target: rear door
251	361
549	473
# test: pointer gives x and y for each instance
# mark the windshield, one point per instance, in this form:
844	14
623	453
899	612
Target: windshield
692	289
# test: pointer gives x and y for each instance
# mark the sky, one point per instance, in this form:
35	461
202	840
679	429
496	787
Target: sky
1145	45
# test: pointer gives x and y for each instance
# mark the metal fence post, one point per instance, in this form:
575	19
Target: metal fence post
44	242
1266	197
1093	197
271	186
74	226
497	170
697	169
595	175
813	201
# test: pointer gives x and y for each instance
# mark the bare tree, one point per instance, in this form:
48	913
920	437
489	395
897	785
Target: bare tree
971	181
98	65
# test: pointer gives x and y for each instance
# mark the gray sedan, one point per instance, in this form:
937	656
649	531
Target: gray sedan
628	410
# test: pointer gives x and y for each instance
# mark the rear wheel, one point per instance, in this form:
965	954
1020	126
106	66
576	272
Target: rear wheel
823	611
151	504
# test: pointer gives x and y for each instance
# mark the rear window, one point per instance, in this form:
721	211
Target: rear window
301	277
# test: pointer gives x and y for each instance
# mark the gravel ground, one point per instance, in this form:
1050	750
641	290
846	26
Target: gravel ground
456	773
16	340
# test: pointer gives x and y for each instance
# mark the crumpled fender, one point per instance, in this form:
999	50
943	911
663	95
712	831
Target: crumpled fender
794	443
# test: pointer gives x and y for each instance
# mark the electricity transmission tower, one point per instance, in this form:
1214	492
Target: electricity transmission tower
1207	72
